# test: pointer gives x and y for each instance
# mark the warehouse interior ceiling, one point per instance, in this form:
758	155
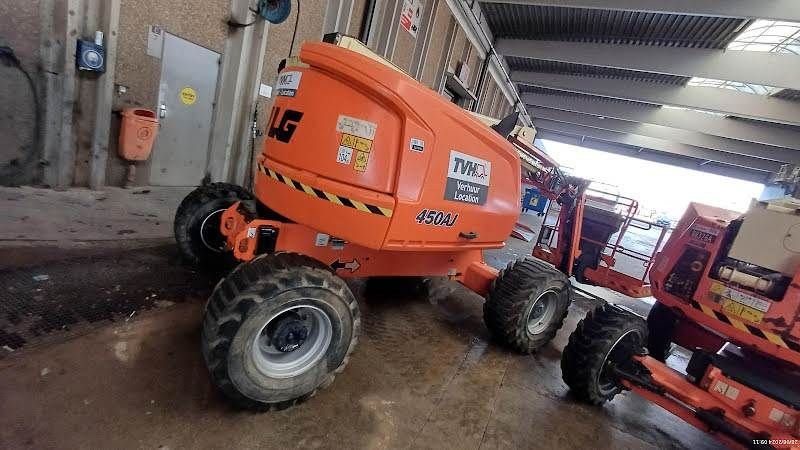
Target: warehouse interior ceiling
709	85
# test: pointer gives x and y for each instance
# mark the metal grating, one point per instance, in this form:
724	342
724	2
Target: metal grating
545	66
524	88
610	26
53	301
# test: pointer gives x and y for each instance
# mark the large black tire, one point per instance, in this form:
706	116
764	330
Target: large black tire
246	318
607	335
661	323
197	223
527	304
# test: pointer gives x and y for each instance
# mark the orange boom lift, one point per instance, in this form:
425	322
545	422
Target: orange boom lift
364	172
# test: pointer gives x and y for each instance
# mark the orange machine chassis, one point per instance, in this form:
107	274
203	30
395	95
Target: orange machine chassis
709	400
348	259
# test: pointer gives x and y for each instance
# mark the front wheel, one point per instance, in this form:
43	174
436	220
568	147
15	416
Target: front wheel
277	329
608	336
527	304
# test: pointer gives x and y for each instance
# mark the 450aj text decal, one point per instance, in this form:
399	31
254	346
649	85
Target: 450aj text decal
467	179
437	218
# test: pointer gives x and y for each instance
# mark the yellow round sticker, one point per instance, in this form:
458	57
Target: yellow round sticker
188	96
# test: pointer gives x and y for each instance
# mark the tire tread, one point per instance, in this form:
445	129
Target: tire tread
510	295
583	357
268	275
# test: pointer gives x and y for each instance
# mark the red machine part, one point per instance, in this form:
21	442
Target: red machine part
711	312
562	246
717	394
700	236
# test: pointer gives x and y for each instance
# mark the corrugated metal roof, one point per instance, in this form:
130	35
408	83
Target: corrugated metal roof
523	88
545	66
610	26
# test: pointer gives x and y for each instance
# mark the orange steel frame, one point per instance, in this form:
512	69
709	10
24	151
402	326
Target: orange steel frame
699	330
782	320
465	265
352	260
682	398
605	275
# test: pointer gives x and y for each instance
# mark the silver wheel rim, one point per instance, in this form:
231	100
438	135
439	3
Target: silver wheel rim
275	363
598	381
542	311
203	231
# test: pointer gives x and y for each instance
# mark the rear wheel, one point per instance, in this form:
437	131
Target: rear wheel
527	304
277	329
198	219
608	336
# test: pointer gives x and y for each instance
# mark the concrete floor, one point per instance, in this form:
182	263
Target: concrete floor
425	374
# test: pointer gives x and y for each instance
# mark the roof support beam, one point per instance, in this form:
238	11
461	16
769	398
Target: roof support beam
747	67
759	133
660	145
744	153
724	101
772	9
663	158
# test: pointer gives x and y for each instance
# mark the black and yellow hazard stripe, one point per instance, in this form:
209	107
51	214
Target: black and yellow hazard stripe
747	328
327	196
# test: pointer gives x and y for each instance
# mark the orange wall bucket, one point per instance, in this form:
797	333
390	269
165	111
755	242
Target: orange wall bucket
137	133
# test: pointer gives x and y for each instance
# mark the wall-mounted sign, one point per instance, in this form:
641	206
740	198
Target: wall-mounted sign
155	41
410	16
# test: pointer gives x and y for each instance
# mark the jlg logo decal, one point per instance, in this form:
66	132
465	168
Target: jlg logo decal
284	129
467	179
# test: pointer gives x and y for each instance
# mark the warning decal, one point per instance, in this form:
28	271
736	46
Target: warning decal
188	96
357	137
345	155
467	179
357	143
356	127
740	297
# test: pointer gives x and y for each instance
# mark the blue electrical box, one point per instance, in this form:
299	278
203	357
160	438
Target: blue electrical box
534	200
90	56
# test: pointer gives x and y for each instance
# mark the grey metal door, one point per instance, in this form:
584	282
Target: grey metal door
185	106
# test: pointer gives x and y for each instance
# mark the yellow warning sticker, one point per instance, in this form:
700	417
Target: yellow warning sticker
740	297
745	312
357	143
362	160
188	96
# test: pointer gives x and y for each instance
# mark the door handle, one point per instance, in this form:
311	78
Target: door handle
468	235
162	111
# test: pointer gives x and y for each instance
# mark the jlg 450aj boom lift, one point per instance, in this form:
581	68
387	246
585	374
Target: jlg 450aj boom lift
364	173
